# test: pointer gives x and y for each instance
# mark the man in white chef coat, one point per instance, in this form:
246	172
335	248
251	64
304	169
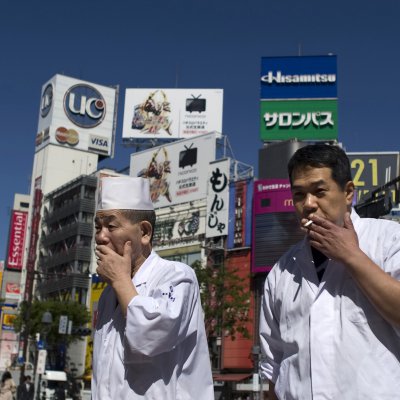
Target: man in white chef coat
150	340
330	318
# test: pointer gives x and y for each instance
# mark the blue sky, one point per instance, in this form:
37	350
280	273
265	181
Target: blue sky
184	44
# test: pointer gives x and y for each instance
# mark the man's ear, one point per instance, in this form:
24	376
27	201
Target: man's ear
349	190
147	231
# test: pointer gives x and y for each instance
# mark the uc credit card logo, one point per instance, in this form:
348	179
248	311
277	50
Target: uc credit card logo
84	106
47	100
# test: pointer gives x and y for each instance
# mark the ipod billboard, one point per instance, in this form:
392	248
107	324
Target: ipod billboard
77	114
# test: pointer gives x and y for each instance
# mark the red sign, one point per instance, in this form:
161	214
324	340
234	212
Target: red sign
30	265
17	240
13	290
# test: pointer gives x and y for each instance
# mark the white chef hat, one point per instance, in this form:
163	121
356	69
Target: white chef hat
124	193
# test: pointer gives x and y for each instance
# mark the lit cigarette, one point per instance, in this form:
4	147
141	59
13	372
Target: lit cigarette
308	223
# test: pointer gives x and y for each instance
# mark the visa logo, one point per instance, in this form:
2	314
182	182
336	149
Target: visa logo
99	144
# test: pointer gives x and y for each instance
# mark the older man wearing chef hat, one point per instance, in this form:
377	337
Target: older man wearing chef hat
150	340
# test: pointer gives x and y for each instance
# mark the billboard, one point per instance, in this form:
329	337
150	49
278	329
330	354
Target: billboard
371	170
240	209
218	199
171	113
13	291
177	171
275	224
33	239
77	114
303	120
16	245
309	77
179	228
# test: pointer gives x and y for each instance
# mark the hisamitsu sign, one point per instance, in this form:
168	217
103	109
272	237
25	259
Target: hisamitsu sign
311	77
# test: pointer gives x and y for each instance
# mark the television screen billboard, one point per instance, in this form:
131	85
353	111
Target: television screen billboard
177	171
171	113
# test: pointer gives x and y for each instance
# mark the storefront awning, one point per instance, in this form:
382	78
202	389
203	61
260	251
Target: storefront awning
231	377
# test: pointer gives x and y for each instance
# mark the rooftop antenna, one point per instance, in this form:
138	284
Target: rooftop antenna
176	75
300	50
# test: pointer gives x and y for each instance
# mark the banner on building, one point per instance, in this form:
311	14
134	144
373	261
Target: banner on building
179	227
298	98
240	214
303	120
33	238
77	114
218	199
13	291
370	170
16	247
275	225
171	113
177	171
306	77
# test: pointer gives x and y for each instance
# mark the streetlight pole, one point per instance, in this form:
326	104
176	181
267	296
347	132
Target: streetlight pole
47	320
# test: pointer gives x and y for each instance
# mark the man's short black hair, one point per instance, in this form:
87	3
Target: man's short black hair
320	156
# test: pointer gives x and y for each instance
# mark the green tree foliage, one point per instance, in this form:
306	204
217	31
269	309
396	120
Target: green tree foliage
225	298
29	319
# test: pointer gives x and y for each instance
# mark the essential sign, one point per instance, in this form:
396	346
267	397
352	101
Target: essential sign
16	246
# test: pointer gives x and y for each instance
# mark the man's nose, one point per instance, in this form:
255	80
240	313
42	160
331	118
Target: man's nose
101	236
311	202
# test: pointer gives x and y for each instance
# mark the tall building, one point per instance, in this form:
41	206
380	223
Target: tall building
10	280
76	129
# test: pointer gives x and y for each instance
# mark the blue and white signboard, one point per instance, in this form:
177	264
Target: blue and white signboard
310	77
76	114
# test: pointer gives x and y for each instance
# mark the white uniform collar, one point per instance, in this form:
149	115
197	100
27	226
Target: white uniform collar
145	269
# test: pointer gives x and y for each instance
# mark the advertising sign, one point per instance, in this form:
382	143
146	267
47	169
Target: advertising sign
310	77
8	348
275	225
77	114
34	236
372	170
16	244
218	199
8	322
13	291
179	228
1	272
240	209
171	113
177	171
304	120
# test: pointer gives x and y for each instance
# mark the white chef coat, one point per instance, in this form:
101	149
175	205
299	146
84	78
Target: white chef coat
325	340
160	350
